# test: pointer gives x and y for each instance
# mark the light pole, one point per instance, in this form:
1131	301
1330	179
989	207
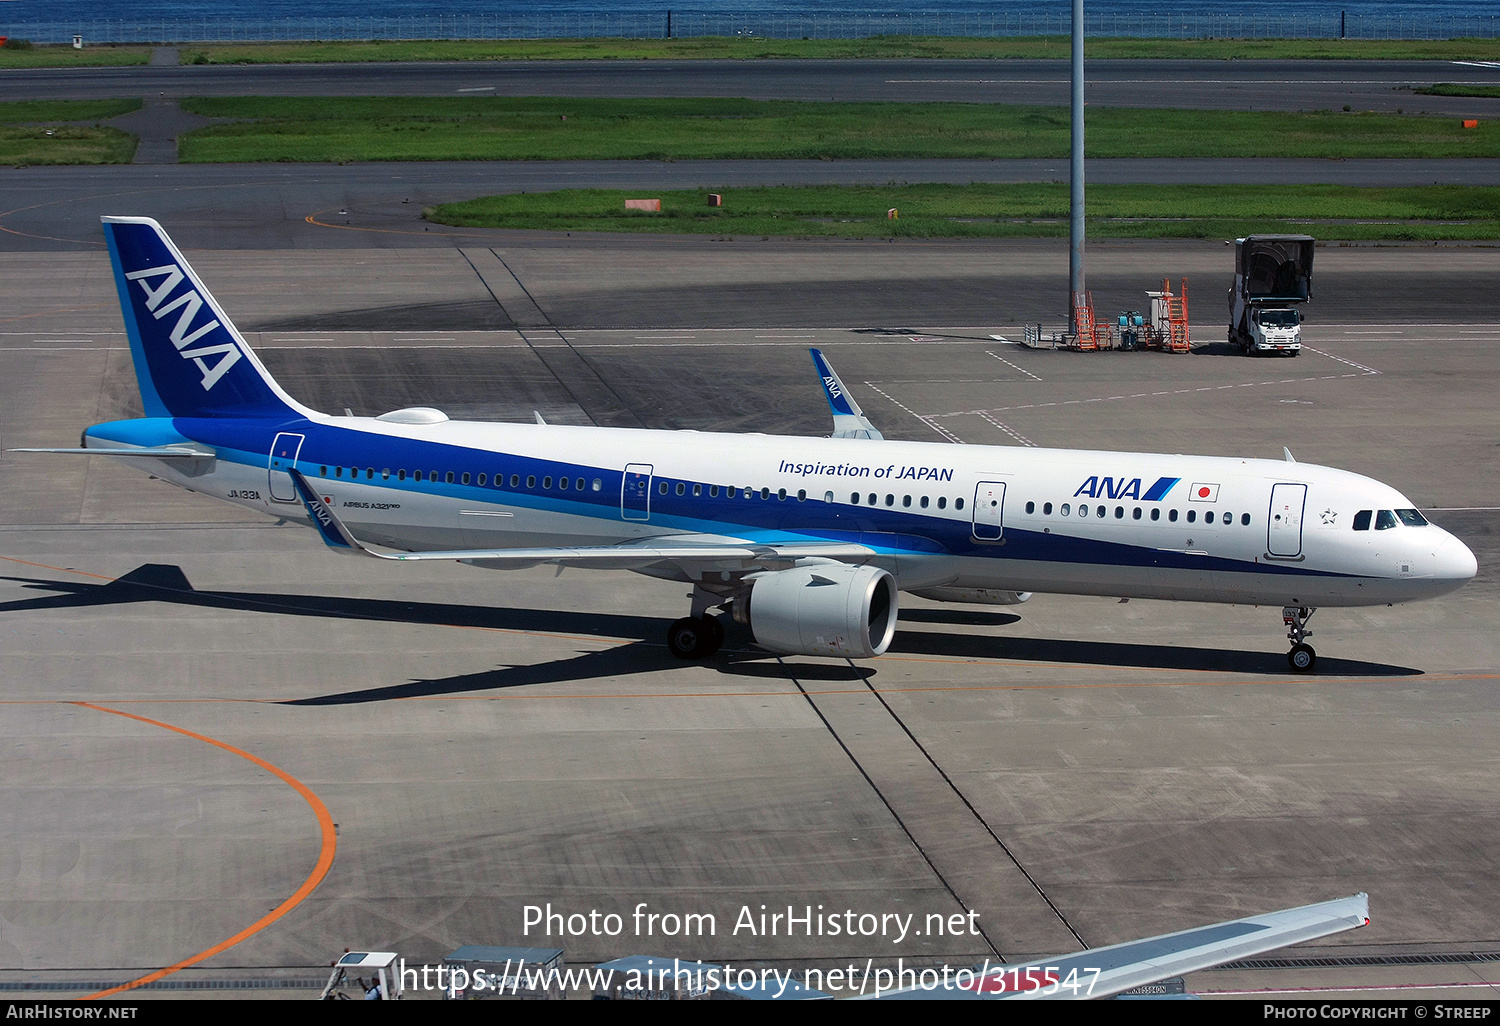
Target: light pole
1075	226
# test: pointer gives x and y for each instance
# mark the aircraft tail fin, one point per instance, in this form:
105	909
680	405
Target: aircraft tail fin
849	421
190	361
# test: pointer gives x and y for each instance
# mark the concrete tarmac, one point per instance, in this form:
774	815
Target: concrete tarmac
486	742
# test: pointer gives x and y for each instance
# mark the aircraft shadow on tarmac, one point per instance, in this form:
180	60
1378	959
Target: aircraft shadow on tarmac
156	582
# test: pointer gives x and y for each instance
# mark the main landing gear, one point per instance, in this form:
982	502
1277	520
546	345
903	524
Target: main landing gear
695	637
700	634
1302	657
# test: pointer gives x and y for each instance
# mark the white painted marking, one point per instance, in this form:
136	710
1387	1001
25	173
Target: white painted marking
925	420
1007	363
1009	431
477	89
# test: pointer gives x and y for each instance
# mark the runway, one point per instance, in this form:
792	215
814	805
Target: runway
1206	85
1075	770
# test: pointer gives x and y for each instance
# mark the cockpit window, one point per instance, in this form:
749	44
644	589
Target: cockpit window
1362	520
1411	518
1385	520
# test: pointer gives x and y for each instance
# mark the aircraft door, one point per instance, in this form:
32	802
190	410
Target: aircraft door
284	452
989	510
1284	525
635	492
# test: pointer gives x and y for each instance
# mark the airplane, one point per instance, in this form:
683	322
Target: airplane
1134	965
807	541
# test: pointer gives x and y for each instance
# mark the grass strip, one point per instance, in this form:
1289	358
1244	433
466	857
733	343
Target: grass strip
64	56
998	211
529	128
23	145
878	47
1458	89
19	111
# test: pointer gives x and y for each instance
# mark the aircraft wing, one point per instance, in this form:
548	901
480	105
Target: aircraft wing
153	452
1103	972
849	421
675	548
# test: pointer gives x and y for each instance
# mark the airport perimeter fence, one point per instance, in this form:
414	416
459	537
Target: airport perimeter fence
803	25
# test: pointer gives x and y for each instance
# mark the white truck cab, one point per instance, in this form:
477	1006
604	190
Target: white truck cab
1272	280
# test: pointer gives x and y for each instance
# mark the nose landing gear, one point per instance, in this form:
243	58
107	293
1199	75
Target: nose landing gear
1302	657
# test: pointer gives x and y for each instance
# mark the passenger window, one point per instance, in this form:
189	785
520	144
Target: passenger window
827	496
765	493
385	475
1119	512
890	500
854	498
1066	509
1156	513
958	504
781	494
515	480
579	485
1047	508
547	481
598	484
942	502
1172	515
1083	509
906	501
1208	517
482	479
873	499
562	483
416	475
1031	507
401	474
662	488
339	472
1192	516
1245	519
1135	514
531	483
466	477
924	502
697	490
1385	520
681	488
801	494
713	492
1101	512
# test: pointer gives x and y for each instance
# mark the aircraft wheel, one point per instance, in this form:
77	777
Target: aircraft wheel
713	636
686	637
1302	658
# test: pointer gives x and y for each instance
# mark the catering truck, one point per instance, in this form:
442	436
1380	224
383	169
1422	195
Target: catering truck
1272	279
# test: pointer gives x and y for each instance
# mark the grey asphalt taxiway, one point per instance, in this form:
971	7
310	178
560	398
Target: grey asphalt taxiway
1073	770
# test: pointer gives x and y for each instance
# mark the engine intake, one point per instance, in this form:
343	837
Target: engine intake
827	610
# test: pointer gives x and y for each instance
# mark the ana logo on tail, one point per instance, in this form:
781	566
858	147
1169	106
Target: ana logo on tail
183	334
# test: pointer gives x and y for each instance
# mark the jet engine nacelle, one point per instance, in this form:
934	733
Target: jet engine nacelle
977	596
827	610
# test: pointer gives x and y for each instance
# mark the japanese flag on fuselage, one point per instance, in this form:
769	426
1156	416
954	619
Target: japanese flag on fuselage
1201	492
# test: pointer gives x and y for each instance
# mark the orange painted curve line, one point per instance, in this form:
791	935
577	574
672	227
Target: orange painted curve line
325	855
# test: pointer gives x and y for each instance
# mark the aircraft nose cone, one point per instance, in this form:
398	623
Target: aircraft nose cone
1455	562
